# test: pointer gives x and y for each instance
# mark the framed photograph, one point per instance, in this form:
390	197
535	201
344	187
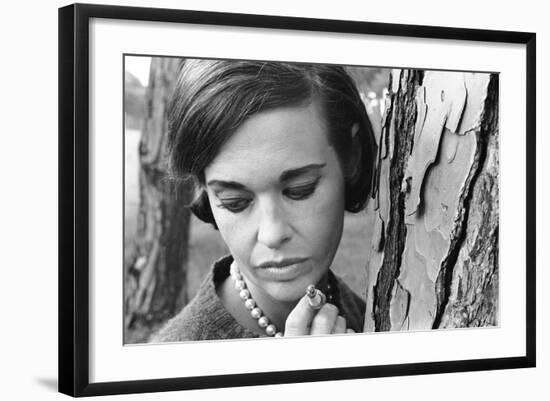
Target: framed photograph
251	199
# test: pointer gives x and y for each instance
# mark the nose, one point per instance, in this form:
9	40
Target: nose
273	227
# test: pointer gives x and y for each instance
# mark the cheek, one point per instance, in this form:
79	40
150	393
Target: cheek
325	220
234	233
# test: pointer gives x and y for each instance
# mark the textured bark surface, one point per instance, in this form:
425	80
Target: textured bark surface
472	290
155	282
435	248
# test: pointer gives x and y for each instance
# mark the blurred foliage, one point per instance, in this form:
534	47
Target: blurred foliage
370	79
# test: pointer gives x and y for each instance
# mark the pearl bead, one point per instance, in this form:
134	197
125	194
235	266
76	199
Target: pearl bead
244	294
271	330
263	322
250	304
256	313
234	271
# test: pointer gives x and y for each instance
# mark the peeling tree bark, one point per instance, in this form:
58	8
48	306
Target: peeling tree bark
155	282
471	291
435	250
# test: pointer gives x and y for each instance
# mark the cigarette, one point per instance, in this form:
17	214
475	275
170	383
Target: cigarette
316	298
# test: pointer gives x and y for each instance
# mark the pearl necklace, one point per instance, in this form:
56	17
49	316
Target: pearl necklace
255	311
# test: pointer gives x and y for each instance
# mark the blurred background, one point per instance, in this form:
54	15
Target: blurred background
167	251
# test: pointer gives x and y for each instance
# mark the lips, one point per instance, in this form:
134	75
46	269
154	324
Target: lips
281	263
282	270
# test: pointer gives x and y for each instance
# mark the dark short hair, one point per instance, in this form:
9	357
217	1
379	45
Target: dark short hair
212	98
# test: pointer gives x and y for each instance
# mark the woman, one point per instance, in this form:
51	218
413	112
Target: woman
276	153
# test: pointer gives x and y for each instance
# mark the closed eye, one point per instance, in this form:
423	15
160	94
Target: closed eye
234	205
300	192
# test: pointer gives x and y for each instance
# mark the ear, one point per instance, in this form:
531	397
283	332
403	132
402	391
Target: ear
355	158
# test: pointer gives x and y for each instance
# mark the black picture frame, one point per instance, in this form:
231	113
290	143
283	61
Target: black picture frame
74	194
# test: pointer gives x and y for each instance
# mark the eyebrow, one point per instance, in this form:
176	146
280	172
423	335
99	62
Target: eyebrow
226	184
297	172
285	176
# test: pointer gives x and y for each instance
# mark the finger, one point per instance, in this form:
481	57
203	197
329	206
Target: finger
298	322
325	319
350	331
340	326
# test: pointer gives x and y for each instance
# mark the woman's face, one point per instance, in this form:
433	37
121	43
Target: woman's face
276	189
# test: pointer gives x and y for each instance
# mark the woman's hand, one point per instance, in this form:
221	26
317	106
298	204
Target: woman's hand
304	320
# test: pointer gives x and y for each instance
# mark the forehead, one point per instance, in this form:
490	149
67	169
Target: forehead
270	142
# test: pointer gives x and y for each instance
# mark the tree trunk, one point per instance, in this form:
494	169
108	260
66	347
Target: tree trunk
434	262
155	283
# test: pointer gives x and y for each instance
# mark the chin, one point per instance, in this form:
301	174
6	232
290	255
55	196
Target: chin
290	291
288	296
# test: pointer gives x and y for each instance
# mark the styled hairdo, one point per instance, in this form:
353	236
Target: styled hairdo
213	98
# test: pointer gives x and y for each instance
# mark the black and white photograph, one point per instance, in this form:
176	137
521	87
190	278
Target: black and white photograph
282	199
290	200
254	200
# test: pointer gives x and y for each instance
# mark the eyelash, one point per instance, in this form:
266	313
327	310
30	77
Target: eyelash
302	191
236	205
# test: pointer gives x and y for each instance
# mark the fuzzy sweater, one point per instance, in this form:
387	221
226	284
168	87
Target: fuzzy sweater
206	318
